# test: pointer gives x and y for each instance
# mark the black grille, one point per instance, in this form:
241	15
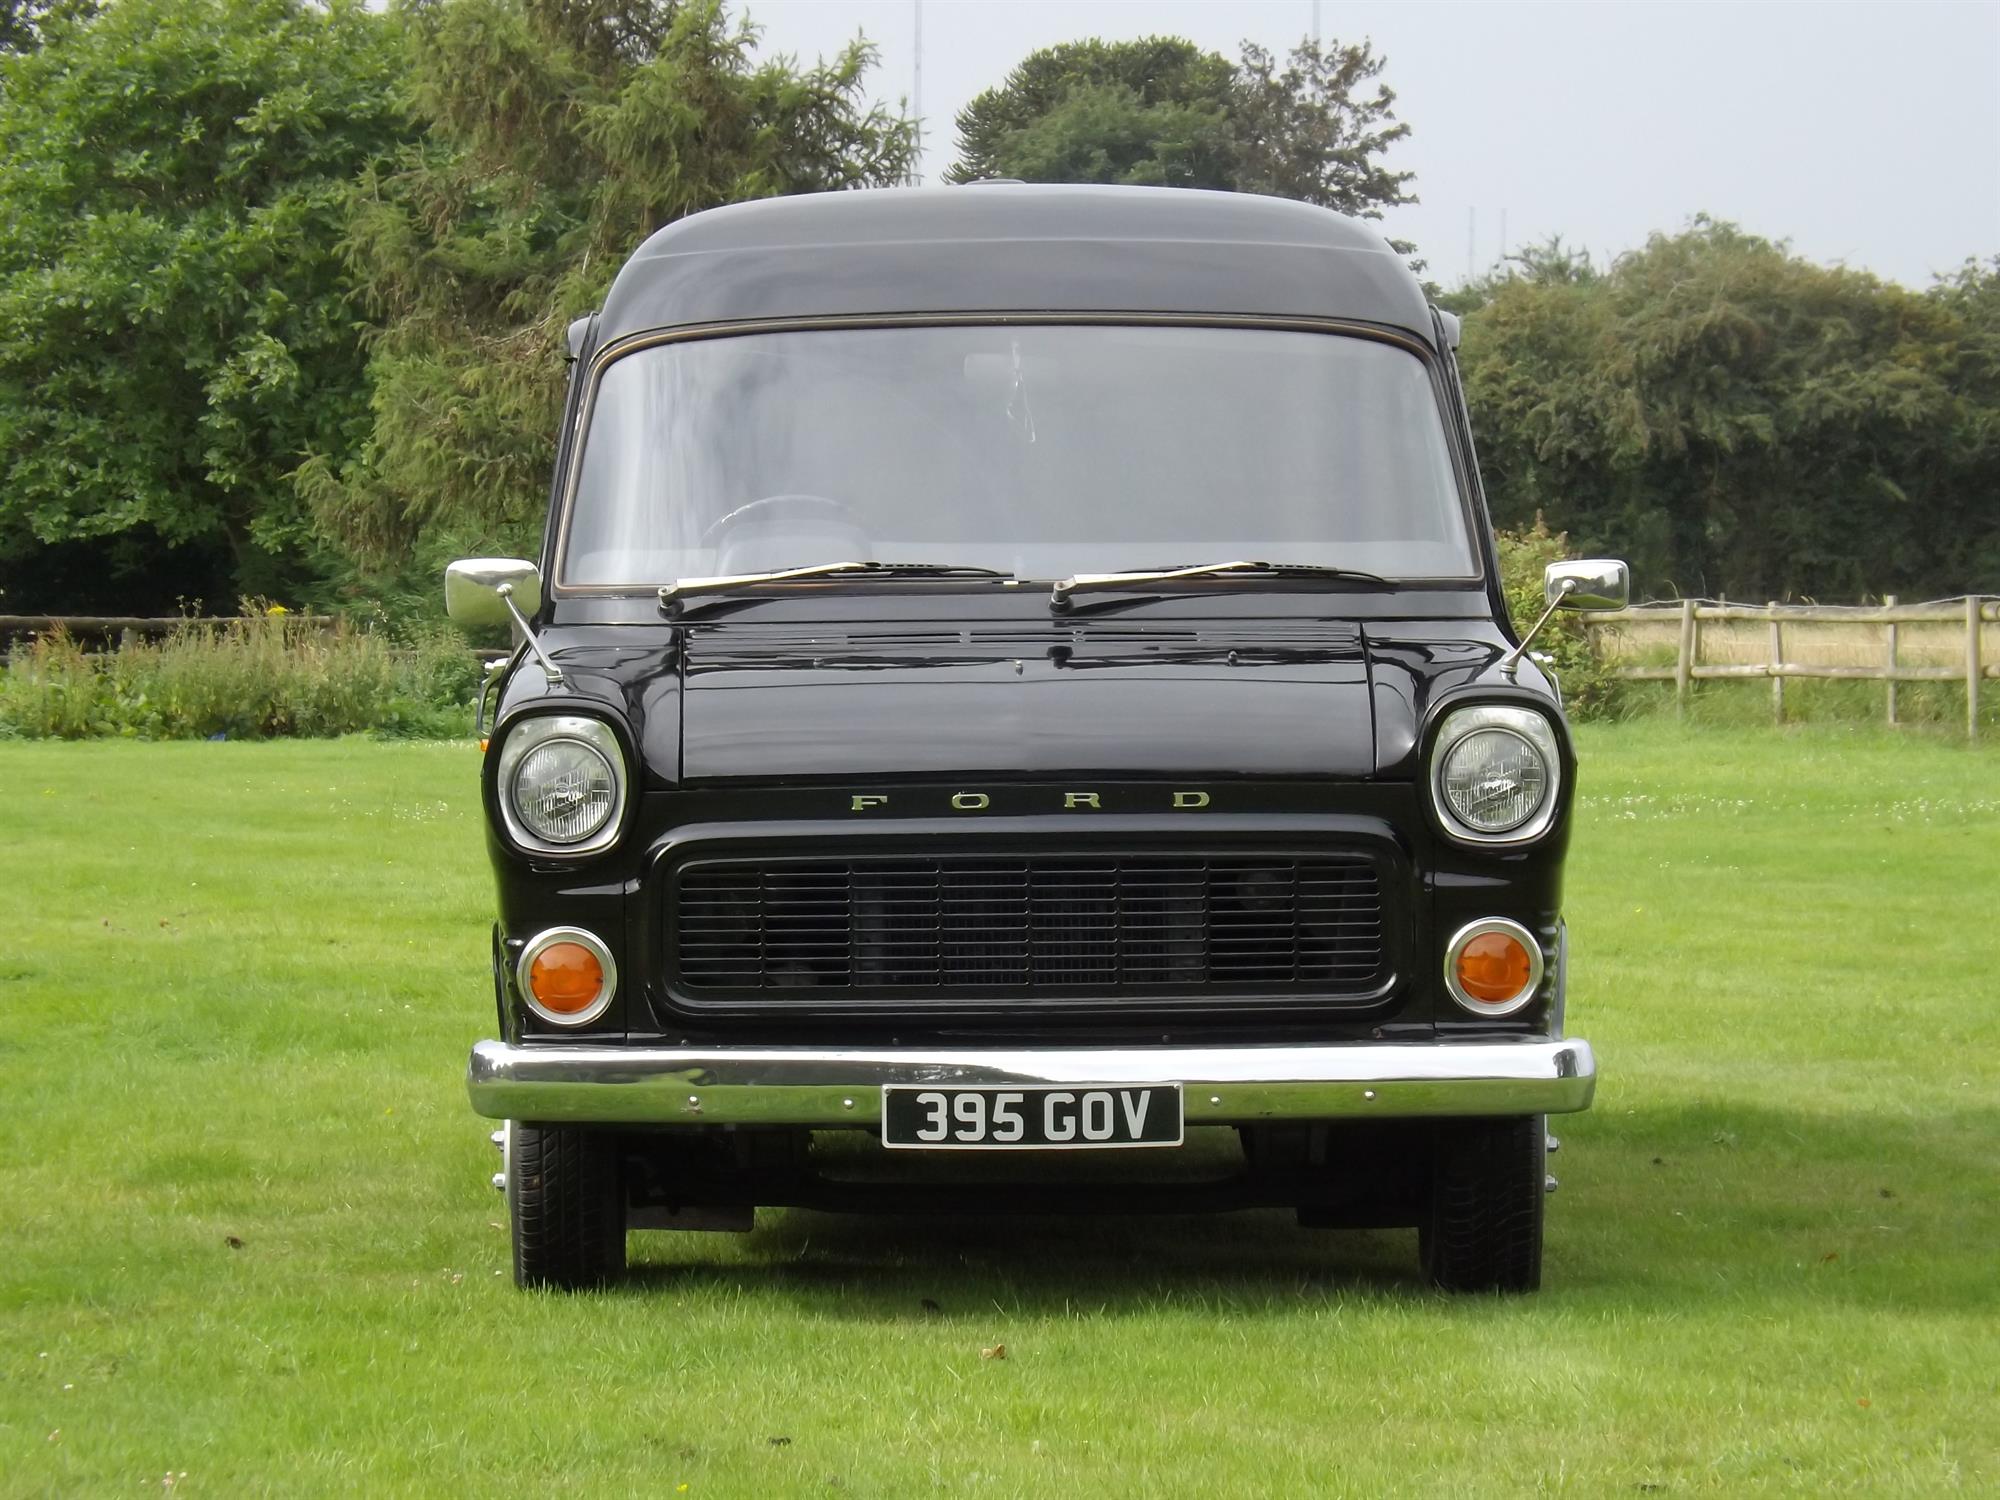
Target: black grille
984	923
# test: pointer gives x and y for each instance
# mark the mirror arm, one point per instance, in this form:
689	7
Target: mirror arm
493	670
549	669
1511	662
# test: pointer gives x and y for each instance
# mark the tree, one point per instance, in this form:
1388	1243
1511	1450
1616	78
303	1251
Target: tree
1160	111
1108	133
1741	421
556	135
1155	111
174	329
1315	131
1970	298
23	22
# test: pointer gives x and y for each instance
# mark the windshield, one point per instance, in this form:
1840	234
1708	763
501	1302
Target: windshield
1040	451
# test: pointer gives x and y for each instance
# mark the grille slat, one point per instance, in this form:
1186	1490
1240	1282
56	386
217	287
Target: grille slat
1159	923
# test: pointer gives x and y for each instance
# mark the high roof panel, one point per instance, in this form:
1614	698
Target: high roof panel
1014	248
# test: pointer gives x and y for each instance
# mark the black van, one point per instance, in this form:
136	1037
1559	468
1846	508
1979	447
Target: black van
1022	670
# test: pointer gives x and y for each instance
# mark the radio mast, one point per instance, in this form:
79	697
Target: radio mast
917	96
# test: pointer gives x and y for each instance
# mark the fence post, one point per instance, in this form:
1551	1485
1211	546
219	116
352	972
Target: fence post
1889	650
1684	662
1971	668
1777	663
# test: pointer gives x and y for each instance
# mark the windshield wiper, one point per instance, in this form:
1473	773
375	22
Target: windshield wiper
684	588
1092	583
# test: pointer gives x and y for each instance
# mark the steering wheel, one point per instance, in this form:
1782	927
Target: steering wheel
775	507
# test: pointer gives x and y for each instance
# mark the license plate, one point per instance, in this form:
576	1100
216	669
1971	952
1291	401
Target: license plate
1031	1118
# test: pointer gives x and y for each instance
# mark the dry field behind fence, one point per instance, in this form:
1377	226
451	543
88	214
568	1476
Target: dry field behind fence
1650	634
1945	646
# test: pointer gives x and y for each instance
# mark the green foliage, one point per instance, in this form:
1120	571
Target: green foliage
174	329
556	135
1153	112
1161	112
259	676
1590	688
1739	421
1108	133
25	23
1315	131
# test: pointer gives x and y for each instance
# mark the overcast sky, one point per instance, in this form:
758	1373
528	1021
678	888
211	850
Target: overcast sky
1864	133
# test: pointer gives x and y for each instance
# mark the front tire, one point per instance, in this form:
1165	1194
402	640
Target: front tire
1483	1228
566	1199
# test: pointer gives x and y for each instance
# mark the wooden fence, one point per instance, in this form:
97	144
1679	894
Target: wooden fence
1953	628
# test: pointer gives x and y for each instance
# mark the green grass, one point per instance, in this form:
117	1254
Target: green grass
238	981
1924	709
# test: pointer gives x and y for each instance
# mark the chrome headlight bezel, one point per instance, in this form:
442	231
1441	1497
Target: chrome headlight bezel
599	950
1530	726
529	734
1537	968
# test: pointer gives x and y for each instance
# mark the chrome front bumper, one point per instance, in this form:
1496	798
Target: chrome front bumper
834	1088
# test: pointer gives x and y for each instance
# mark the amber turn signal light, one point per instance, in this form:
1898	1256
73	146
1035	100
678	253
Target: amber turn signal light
1493	967
567	976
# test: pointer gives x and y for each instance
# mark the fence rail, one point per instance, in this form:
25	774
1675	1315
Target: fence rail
1687	617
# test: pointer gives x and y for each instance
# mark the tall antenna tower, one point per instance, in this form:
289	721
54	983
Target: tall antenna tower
917	96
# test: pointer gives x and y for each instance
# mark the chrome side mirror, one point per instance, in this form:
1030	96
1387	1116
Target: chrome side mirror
482	591
1599	583
1595	583
472	587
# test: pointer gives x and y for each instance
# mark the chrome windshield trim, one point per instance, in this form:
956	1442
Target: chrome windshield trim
841	1087
571	468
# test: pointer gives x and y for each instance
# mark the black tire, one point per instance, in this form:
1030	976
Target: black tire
1483	1229
567	1204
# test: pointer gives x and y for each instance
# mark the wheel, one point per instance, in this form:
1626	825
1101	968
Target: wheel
567	1204
1482	1231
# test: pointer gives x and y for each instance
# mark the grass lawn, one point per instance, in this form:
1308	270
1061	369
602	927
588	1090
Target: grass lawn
246	1239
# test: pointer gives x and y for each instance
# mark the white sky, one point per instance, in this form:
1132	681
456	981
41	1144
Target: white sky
1864	133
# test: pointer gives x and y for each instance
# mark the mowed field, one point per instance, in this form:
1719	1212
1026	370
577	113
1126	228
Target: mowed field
247	1243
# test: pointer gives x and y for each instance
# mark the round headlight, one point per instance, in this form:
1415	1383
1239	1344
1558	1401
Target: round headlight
564	790
562	783
1496	770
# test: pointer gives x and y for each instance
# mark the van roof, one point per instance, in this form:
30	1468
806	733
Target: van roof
1014	248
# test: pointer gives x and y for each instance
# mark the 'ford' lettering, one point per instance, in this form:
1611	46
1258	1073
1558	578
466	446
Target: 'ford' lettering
1042	801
